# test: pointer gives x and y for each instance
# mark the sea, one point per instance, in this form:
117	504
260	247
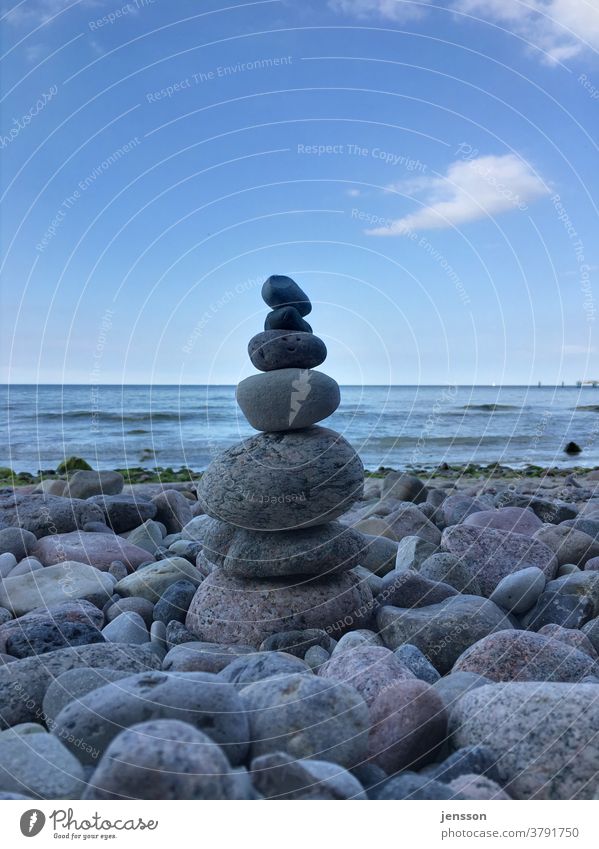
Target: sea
116	427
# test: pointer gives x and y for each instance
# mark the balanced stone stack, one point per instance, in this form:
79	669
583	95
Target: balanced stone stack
276	559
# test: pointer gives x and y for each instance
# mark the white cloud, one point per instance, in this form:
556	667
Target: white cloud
578	349
41	11
353	193
390	10
561	28
471	189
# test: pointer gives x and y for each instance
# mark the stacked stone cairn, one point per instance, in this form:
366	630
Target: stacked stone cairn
275	557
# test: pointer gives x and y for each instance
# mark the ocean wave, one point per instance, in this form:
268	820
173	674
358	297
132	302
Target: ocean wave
98	415
588	408
490	408
405	441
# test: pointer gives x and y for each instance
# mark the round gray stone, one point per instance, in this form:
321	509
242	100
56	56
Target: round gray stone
73	684
520	591
282	291
162	759
277	481
308	717
287	399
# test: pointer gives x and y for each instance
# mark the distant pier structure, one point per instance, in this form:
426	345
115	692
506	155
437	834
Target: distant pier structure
593	383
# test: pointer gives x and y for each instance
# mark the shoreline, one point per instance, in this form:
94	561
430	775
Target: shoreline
159	474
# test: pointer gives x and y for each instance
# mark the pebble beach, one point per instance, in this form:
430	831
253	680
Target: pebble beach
284	626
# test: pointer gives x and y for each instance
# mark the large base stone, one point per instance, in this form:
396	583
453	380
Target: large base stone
280	481
247	611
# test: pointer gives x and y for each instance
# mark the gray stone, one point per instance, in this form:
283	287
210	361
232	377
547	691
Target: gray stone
442	631
456	508
453	686
23	684
569	544
177	634
196	529
99	550
277	777
162	759
247	611
476	759
449	569
141	606
200	698
411	589
520	591
543	736
412	552
557	608
27	565
174	602
412	786
322	550
53	585
287	399
477	787
84	484
307	717
554	512
591	630
173	510
260	665
370	669
17	541
378	554
408	520
73	623
491	555
147	536
39	766
129	627
276	481
571	637
279	349
5	615
517	520
153	580
525	656
71	685
202	657
359	637
298	642
315	657
158	638
286	318
408	726
123	512
581	584
403	487
7	563
411	657
282	291
46	514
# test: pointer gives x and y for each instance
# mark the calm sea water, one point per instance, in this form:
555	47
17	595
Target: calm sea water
397	426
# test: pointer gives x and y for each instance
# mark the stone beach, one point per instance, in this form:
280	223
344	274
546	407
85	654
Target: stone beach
278	628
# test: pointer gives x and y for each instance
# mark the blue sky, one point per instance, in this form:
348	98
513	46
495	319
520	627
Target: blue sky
427	172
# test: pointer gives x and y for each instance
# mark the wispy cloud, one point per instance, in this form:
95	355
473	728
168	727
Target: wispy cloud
570	350
390	10
41	11
561	28
471	189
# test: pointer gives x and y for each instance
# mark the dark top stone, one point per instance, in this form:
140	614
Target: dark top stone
281	291
286	318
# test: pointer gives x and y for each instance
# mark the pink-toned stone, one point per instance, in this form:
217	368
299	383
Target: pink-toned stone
408	724
98	550
518	520
370	669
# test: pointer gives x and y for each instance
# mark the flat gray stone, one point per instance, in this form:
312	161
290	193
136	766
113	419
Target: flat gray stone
520	591
23	684
129	627
275	776
152	581
277	481
40	766
46	514
279	349
202	657
17	541
54	585
84	484
71	685
98	550
173	510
